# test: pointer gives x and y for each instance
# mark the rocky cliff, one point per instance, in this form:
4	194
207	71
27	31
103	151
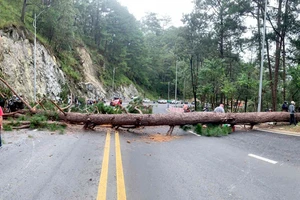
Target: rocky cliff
17	68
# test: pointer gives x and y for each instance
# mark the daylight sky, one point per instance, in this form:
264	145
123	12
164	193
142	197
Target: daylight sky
172	8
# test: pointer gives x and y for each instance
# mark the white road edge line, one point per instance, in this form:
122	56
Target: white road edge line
262	158
194	133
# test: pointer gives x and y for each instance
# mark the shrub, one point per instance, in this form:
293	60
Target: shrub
55	127
38	121
138	103
7	127
198	129
211	130
186	127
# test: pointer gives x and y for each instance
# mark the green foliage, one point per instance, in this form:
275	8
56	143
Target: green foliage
9	14
7	127
38	121
198	129
138	103
52	116
48	105
55	127
23	118
186	127
211	130
103	109
70	65
65	91
15	123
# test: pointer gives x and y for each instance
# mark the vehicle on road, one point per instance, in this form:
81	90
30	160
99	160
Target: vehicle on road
146	100
176	102
162	101
116	101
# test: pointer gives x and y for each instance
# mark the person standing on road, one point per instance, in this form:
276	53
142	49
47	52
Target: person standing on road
220	109
1	121
292	113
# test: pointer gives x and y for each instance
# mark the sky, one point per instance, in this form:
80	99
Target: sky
172	8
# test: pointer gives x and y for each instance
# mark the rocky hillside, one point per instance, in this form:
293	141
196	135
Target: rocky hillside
17	68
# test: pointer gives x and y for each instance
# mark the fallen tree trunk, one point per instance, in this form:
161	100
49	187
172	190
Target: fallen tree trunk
172	119
28	123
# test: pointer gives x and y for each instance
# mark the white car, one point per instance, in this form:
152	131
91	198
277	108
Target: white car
162	101
146	100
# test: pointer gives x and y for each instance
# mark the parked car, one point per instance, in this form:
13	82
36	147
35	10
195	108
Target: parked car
162	101
178	102
146	100
116	101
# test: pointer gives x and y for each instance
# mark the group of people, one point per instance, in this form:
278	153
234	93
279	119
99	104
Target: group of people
285	108
291	109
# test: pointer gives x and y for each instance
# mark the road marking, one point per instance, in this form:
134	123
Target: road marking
121	191
104	170
194	133
262	158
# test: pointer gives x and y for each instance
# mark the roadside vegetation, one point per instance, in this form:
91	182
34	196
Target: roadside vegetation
136	105
37	121
209	130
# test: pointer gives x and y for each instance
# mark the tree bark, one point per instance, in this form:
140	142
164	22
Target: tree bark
277	56
194	83
172	119
23	11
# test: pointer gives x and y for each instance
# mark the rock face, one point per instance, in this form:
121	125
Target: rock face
17	68
91	87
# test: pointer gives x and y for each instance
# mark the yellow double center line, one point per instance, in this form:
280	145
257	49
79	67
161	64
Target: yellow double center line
102	188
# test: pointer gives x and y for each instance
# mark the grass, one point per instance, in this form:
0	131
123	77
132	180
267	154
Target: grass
38	121
7	127
9	13
55	127
138	103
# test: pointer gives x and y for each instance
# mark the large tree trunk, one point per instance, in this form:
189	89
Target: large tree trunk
23	11
177	118
194	82
277	56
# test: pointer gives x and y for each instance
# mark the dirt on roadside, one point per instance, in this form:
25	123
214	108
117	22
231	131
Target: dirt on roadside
280	126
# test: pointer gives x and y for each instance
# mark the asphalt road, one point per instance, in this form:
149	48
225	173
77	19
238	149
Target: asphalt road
193	167
44	165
